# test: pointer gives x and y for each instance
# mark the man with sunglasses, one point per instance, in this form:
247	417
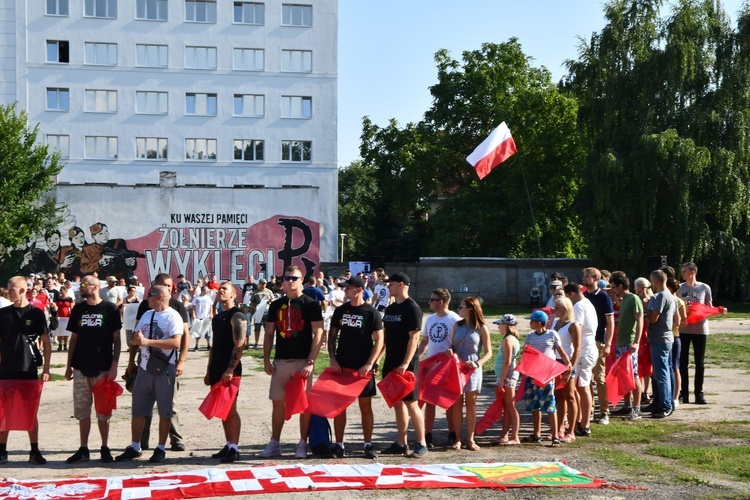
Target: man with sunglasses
297	321
436	339
94	354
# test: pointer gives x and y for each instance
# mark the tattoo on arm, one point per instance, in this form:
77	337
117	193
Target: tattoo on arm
239	329
117	346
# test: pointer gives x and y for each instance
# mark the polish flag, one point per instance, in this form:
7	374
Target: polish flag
494	150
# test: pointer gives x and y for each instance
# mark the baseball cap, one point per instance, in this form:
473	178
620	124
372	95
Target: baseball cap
603	285
555	283
507	319
400	278
540	316
354	281
263	280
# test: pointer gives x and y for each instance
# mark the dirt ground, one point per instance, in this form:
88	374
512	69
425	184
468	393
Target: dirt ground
59	437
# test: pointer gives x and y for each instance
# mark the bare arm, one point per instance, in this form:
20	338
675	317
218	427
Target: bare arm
116	348
267	345
609	333
575	337
484	335
239	329
317	342
71	349
333	334
377	346
47	353
184	346
411	350
423	346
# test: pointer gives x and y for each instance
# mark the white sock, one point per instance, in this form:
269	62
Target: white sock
136	446
233	447
161	447
340	444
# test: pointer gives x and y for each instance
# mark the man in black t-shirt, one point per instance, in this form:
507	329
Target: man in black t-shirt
20	325
359	330
175	437
297	321
229	327
403	325
94	354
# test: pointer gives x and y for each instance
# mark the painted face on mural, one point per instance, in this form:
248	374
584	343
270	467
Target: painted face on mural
53	242
78	240
102	236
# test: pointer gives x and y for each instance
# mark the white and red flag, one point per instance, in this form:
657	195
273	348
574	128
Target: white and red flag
494	150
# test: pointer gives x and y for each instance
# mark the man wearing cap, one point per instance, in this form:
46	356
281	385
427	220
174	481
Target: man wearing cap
355	341
112	294
297	321
605	315
20	325
259	303
403	323
436	338
93	356
159	330
554	285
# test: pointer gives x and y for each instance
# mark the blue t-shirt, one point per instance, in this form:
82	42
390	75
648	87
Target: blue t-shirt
603	305
314	293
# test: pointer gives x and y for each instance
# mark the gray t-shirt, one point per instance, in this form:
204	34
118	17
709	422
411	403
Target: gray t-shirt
700	293
661	331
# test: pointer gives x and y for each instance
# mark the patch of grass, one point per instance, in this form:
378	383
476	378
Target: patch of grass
54	377
58	366
631	464
692	479
728	460
321	363
737	310
640	432
727	350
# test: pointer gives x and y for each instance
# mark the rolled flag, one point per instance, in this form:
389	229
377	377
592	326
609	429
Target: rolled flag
494	150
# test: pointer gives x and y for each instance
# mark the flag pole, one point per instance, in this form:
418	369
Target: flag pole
536	228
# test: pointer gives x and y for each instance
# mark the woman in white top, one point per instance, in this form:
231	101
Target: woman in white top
570	336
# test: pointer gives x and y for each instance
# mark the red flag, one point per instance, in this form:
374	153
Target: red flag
439	382
394	387
333	393
620	379
219	399
495	149
697	312
295	396
539	367
493	413
19	402
105	396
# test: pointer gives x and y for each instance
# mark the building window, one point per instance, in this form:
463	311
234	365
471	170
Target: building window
299	151
151	148
248	59
151	10
200	149
299	61
58	51
200	57
58	99
151	56
249	13
296	15
57	7
101	8
104	54
101	101
101	147
296	107
249	105
200	104
60	143
200	11
248	150
151	103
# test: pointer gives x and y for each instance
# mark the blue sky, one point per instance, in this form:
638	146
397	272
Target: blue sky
386	49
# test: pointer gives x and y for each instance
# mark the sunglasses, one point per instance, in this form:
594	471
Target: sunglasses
291	278
154	293
86	285
435	300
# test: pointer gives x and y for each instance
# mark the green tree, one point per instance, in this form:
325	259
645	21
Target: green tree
358	197
27	171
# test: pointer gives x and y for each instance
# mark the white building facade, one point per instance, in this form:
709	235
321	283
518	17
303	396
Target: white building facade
193	114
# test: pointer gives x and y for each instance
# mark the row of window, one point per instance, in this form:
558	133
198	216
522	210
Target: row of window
157	56
157	148
196	103
196	11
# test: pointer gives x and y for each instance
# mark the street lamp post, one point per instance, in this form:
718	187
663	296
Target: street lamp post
343	235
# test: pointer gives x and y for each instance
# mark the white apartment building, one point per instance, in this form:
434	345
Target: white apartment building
175	116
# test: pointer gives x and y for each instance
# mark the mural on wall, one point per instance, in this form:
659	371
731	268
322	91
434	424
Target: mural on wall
228	243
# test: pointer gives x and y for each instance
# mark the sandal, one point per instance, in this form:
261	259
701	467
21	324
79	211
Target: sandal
555	443
472	446
532	439
568	438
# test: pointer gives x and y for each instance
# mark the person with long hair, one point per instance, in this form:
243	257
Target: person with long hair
570	336
470	337
507	378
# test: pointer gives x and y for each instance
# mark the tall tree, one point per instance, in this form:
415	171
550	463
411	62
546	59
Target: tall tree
27	171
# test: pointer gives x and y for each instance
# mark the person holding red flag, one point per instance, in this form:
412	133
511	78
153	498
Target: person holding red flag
20	324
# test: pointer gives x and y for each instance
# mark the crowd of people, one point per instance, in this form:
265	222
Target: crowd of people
364	321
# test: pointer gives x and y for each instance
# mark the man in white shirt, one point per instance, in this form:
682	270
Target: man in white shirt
436	338
381	295
203	306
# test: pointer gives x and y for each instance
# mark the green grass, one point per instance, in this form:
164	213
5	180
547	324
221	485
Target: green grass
630	463
727	350
54	377
737	310
728	460
321	363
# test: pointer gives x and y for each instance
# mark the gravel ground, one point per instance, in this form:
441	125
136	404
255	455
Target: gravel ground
59	438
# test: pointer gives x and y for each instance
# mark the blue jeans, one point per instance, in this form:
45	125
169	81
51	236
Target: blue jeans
661	378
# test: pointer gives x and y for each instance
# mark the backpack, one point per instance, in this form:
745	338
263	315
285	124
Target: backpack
320	435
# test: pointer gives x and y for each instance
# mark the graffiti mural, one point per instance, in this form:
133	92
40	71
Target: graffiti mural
231	238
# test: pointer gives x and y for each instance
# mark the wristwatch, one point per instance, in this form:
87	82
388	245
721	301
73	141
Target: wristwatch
310	362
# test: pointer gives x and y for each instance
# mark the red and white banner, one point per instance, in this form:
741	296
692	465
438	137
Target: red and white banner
495	149
296	478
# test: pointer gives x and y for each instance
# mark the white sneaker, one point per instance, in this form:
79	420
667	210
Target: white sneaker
676	403
272	449
301	450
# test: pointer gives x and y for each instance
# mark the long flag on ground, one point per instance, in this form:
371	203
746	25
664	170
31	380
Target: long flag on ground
494	150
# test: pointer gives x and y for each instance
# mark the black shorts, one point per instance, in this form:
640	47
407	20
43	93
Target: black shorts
414	368
370	390
20	376
215	376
